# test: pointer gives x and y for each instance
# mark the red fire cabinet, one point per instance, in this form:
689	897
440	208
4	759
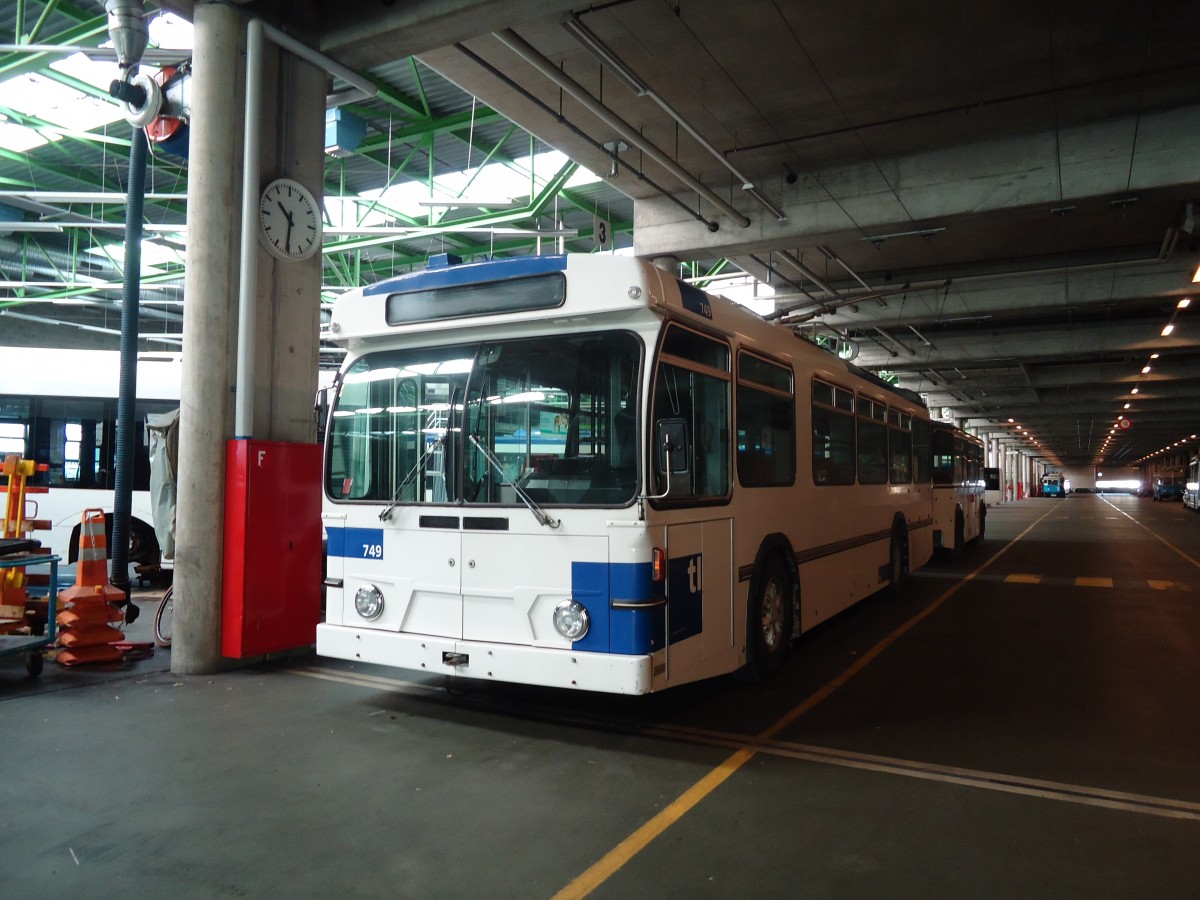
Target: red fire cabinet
272	577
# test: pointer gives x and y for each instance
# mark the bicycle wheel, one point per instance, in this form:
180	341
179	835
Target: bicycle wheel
164	619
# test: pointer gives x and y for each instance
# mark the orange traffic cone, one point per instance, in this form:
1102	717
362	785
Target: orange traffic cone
84	627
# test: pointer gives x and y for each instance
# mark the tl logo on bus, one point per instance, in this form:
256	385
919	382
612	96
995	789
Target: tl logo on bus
685	597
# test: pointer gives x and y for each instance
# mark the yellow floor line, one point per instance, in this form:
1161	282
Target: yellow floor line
1022	579
1093	582
612	861
1085	795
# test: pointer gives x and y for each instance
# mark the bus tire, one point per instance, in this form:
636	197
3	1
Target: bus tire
143	544
897	561
769	632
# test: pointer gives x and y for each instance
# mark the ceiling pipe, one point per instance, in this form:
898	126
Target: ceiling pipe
523	49
604	53
808	273
157	57
928	343
163	337
896	341
579	132
62	285
772	273
100	197
75	224
833	257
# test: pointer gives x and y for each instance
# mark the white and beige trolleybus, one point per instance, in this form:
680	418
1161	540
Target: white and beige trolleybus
579	471
59	407
959	513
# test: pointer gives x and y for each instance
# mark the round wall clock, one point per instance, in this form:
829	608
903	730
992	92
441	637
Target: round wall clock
289	220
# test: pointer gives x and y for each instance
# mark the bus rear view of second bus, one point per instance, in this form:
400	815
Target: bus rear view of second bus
1191	486
1053	485
1169	484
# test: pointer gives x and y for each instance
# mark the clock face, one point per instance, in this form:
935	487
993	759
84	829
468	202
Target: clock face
289	223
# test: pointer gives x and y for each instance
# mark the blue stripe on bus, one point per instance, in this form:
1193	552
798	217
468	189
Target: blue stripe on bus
619	629
469	273
355	543
684	587
695	300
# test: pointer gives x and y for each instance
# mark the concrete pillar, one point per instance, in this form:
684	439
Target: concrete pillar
209	339
286	304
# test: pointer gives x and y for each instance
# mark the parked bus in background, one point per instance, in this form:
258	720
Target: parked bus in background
1169	484
579	471
59	407
1054	485
959	512
1191	485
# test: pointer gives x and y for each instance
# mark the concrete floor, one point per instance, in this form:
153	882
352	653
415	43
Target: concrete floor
1020	723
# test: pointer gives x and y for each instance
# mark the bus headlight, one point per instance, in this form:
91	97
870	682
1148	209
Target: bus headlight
368	601
571	620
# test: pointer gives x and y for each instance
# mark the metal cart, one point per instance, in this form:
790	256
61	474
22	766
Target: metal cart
32	645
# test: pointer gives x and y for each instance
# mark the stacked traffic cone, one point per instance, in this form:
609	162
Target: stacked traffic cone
84	629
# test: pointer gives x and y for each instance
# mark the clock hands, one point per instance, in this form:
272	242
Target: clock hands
287	241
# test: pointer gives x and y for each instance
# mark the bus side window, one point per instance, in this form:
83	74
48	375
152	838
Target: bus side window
693	384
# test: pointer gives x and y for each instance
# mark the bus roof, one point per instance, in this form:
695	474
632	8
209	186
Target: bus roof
44	372
445	270
601	286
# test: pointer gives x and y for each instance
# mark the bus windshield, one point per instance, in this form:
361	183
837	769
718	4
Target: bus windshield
469	423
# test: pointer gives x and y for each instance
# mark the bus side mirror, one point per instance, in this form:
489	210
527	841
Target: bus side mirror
671	446
322	400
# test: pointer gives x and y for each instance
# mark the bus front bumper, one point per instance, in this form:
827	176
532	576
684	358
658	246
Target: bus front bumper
549	667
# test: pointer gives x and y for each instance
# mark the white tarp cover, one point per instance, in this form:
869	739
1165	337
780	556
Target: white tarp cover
164	456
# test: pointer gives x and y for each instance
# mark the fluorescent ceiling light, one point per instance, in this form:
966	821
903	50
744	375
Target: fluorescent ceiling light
470	204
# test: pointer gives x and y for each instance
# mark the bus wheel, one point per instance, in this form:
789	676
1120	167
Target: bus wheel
770	626
143	545
982	526
896	555
960	530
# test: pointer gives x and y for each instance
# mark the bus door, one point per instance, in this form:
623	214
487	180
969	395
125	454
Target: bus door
691	465
700	627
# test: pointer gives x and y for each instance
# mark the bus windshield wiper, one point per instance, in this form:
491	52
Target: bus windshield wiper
386	512
538	513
